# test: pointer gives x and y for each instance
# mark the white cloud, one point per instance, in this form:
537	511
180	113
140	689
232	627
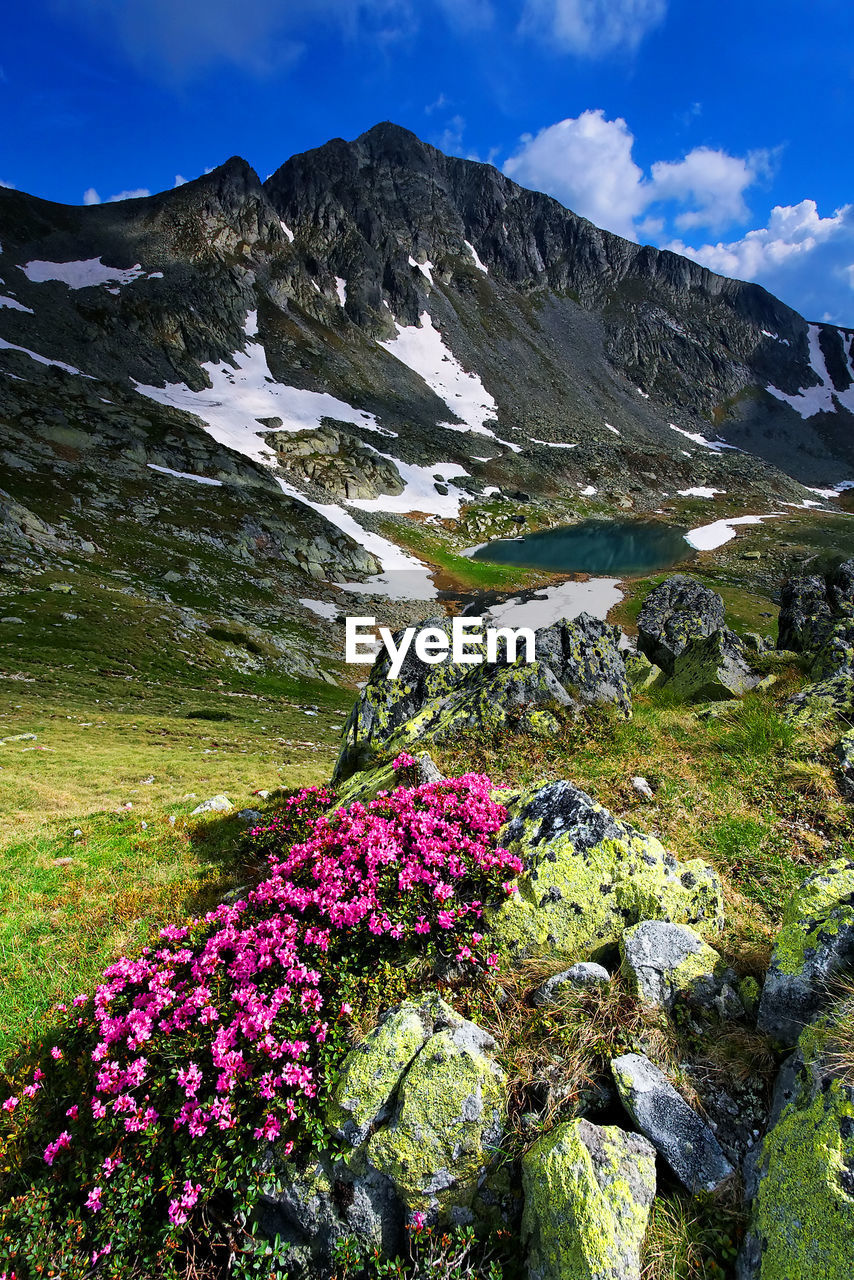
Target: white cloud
592	28
585	162
135	194
180	181
10	186
713	182
804	258
90	196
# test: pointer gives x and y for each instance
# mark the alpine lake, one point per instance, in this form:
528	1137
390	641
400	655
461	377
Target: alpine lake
594	546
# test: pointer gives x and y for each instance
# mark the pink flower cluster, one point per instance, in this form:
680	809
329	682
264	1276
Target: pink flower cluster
223	1022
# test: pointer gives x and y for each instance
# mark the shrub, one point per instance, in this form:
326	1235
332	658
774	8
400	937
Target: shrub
133	1144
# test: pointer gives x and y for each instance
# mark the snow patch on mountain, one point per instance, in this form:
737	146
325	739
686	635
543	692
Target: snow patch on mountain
477	262
699	491
243	391
184	475
287	231
714	445
341	290
85	274
426	268
323	608
823	398
422	349
59	364
420	493
15	305
709	536
552	444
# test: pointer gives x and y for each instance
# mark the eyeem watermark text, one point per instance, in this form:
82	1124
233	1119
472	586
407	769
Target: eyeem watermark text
470	642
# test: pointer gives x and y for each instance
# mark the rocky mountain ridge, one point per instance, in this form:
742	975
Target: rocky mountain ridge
440	334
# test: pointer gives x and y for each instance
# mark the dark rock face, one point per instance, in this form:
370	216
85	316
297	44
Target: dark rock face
810	605
675	613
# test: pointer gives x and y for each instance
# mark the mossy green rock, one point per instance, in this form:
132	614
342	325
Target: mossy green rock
447	1123
824	700
675	613
577	662
641	673
816	940
588	1192
712	668
802	1222
588	877
369	1075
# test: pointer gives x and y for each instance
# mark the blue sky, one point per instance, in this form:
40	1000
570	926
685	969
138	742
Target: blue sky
720	129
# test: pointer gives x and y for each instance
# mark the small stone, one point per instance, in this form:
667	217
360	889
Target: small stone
250	817
642	787
666	963
76	833
216	804
583	974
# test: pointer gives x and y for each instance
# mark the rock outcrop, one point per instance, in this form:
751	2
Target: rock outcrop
589	877
576	663
801	1177
674	613
671	966
421	1102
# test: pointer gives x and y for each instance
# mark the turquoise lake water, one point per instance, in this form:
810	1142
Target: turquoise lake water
594	546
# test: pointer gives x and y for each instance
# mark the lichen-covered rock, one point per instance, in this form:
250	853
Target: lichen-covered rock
824	700
669	964
447	1122
641	673
584	973
421	1102
588	876
815	941
837	651
801	1177
577	662
585	656
370	1073
368	783
661	1113
677	611
712	668
588	1192
845	755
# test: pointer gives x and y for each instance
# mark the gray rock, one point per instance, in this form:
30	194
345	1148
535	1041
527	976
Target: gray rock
669	964
675	612
250	817
805	617
816	941
586	973
679	1135
216	804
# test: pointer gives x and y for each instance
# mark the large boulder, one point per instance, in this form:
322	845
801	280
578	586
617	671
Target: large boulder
712	668
669	965
816	941
801	1176
674	613
421	1103
809	606
588	1192
663	1116
576	663
588	876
